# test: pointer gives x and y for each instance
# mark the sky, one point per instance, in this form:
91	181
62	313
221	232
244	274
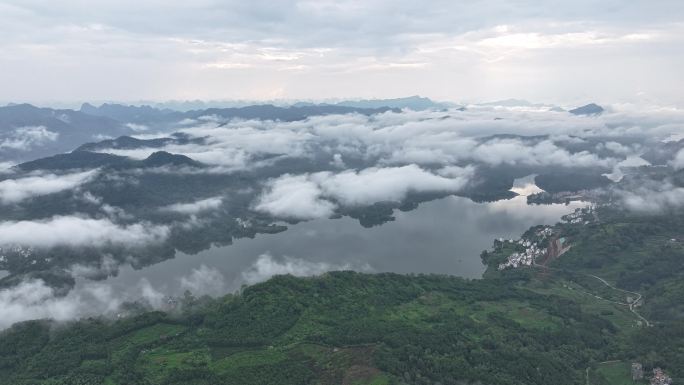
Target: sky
553	51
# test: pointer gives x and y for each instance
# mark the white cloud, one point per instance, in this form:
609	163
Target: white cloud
77	231
313	49
34	299
313	195
137	127
653	199
266	266
294	196
24	138
631	161
107	266
5	167
515	152
372	185
196	207
204	281
678	161
618	148
425	137
16	190
150	294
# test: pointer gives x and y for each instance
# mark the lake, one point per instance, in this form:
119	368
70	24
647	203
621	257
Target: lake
445	236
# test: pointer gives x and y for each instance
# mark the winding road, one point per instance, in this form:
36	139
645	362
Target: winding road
631	305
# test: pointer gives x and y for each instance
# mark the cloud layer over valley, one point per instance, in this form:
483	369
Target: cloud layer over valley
313	195
19	189
137	201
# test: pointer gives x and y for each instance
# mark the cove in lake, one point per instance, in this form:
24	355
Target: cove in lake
444	236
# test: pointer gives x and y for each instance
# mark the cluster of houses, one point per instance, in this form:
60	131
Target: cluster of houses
20	251
16	250
545	232
659	376
524	258
556	247
243	223
566	196
580	216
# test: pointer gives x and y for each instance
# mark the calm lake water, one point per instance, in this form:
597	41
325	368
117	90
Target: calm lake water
445	236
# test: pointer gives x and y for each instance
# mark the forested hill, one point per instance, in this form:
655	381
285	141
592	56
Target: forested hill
343	327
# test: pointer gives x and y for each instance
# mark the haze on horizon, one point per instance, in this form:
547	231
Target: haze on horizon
547	51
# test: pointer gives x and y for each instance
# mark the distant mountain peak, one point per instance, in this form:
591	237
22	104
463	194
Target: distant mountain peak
163	158
589	109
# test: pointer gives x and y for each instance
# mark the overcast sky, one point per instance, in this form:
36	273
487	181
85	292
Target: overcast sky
555	51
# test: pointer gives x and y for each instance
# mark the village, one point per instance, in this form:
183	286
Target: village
659	376
525	258
9	253
533	251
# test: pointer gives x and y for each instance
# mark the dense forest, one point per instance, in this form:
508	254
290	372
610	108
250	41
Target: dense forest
343	327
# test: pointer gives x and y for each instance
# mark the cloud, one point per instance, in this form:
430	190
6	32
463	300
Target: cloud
313	49
294	196
34	299
316	195
515	152
618	148
266	266
631	161
150	295
372	185
204	281
137	127
652	198
195	207
17	190
678	161
78	231
428	138
24	138
5	167
106	267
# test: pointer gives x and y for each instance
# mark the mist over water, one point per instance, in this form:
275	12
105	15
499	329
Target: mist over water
445	236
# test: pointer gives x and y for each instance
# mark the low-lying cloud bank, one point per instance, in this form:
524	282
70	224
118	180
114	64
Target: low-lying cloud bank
653	199
78	232
266	266
17	190
204	281
479	134
317	195
34	299
195	207
25	138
